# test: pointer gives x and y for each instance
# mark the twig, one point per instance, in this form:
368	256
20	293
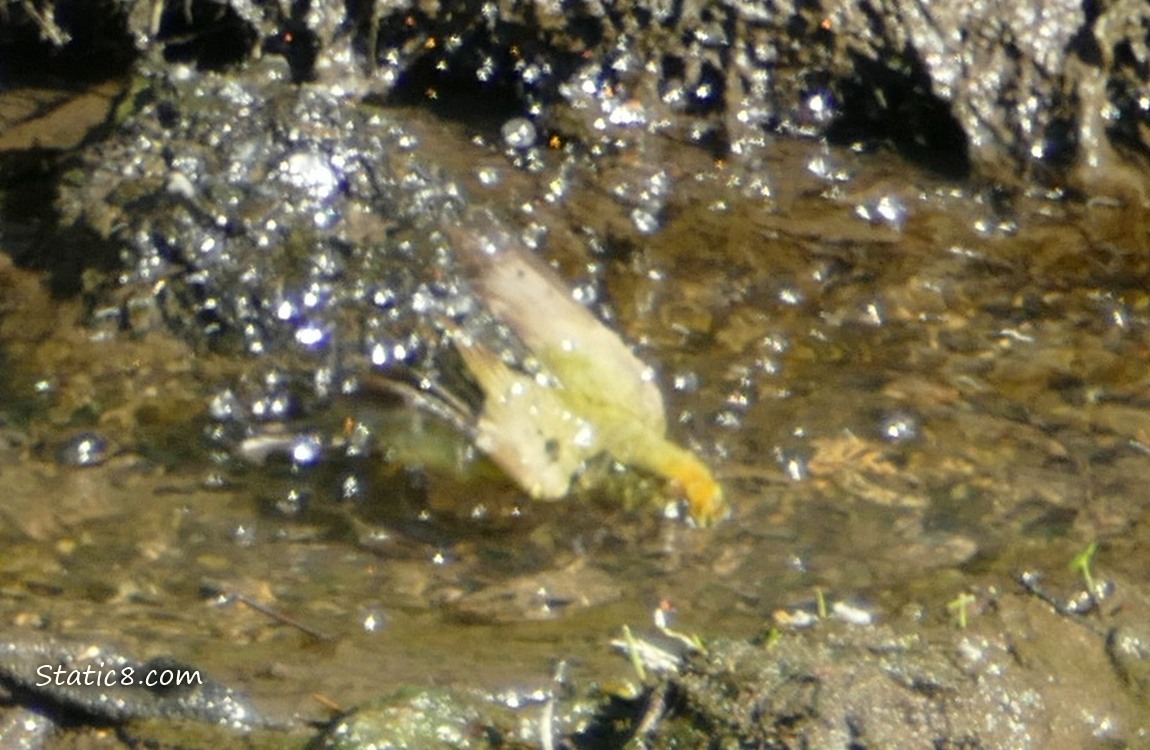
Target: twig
281	617
49	29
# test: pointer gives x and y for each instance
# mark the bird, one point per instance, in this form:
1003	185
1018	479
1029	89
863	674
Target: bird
588	395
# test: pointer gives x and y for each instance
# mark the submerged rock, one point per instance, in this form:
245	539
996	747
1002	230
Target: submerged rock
415	719
94	681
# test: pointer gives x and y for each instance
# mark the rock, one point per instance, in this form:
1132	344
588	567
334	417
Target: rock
427	719
1044	90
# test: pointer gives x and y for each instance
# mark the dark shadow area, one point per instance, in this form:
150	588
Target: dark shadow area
62	46
882	103
474	73
34	239
80	42
457	94
209	35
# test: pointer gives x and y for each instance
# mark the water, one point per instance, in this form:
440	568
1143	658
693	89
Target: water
908	389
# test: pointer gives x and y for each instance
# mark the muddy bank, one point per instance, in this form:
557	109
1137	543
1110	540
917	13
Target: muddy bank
1045	92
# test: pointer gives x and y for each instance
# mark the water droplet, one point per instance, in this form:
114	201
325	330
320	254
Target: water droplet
488	176
310	335
518	133
627	113
306	449
85	449
312	173
794	466
274	407
286	310
872	314
225	407
821	106
644	221
899	427
351	488
585	437
887	210
180	185
373	619
790	295
293	502
729	420
1119	316
824	168
244	536
686	382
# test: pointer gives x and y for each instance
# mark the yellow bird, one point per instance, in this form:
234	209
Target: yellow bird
591	394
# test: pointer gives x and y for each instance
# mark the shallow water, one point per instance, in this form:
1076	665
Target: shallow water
909	388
